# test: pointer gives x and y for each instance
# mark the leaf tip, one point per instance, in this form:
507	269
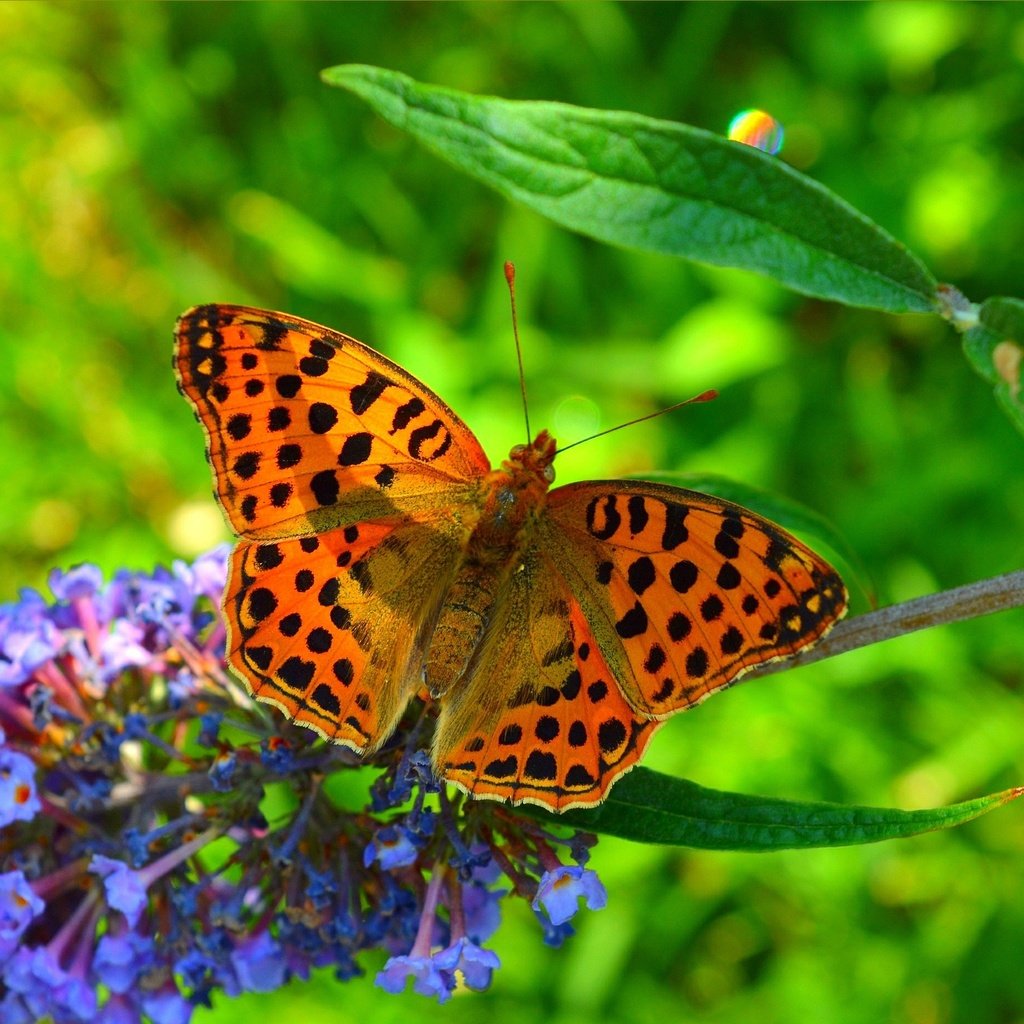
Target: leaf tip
347	76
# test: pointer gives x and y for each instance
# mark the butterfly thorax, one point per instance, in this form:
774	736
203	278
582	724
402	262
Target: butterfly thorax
510	501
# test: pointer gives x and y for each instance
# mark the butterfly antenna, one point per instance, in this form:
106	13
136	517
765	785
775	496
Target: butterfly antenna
510	277
704	396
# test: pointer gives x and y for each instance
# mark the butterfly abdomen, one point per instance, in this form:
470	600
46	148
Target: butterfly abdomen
460	626
510	502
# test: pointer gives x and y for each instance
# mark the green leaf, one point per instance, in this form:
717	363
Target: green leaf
790	515
656	185
649	807
995	348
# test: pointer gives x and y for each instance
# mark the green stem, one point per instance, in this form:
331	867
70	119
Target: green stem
967	602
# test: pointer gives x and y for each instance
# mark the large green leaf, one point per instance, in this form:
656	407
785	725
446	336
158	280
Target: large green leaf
656	185
995	347
650	807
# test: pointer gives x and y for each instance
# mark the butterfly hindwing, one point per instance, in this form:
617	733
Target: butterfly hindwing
540	718
308	429
330	628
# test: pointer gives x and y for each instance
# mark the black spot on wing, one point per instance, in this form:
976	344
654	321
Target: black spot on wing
364	395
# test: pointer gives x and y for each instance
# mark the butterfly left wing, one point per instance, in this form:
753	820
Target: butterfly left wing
331	628
685	591
308	429
350	483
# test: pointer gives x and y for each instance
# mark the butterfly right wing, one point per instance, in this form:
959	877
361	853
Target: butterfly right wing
634	601
540	717
686	591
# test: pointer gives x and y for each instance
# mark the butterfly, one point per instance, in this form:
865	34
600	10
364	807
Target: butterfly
381	555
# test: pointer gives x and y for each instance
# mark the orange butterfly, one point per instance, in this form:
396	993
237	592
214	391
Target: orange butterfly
380	553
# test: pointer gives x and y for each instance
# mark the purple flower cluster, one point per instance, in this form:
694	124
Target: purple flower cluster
139	874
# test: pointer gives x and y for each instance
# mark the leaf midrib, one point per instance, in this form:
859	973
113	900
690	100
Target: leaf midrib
672	192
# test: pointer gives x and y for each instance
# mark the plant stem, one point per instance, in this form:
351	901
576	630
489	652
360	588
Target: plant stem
967	602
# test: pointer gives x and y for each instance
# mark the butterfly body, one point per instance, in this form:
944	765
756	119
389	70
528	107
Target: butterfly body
510	504
380	553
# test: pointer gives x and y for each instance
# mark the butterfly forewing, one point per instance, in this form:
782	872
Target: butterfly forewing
685	591
308	429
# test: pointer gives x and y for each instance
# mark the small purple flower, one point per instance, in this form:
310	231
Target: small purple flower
223	771
122	649
209	726
129	707
258	963
278	755
120	959
207	575
431	977
393	847
482	910
28	638
166	1006
159	599
560	889
46	988
475	963
321	888
18	798
14	1011
79	581
420	824
118	1009
198	970
18	905
554	934
77	998
21	975
126	889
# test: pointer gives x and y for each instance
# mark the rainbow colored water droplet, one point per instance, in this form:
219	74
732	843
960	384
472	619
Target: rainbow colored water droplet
758	129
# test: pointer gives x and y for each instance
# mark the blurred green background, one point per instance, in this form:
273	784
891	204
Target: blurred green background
153	156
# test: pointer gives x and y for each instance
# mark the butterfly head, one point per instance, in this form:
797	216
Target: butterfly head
535	458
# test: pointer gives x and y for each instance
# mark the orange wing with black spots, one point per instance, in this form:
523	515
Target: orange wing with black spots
684	591
353	485
308	429
379	551
637	601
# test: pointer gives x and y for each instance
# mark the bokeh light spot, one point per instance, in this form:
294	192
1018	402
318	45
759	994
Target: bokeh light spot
195	526
53	524
758	129
575	417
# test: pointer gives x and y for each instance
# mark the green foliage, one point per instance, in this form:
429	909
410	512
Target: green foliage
657	186
650	807
157	156
995	347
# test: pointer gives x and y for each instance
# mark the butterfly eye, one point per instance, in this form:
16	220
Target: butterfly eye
549	473
517	450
